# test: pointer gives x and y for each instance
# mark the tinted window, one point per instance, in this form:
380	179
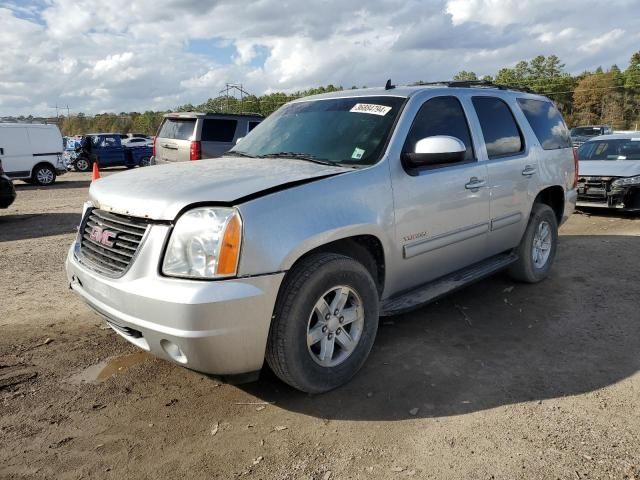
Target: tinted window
108	142
252	125
587	131
177	128
547	123
501	133
440	116
218	130
621	149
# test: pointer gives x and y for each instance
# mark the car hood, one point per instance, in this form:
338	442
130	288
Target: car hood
160	192
609	168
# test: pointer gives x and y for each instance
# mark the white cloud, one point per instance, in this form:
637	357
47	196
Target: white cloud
598	43
122	55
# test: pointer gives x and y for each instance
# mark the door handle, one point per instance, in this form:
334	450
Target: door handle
170	146
529	170
475	183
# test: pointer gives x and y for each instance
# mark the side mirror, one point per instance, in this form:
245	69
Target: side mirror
436	150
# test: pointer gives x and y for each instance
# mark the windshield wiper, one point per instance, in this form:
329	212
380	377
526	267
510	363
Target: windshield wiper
235	153
300	156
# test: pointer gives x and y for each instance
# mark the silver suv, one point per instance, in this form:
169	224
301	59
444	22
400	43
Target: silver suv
336	209
195	136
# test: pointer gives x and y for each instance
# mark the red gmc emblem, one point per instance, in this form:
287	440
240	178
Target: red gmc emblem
102	236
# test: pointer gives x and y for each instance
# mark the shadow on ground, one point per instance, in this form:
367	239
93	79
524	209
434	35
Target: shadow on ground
59	185
20	227
497	343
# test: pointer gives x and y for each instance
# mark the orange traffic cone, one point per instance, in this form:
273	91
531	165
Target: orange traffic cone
95	175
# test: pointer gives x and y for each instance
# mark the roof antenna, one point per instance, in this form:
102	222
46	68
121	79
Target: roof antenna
388	85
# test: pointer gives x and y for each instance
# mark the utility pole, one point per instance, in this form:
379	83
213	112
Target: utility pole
236	87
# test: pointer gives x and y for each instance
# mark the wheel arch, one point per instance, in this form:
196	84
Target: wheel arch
364	248
43	162
554	197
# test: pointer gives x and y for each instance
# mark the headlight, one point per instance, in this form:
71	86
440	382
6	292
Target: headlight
622	182
205	243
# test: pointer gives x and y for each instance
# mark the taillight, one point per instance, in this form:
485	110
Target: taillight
194	151
575	165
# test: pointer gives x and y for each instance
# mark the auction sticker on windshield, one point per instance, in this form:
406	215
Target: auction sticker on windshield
370	108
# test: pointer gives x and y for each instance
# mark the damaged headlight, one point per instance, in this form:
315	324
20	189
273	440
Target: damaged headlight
625	182
205	243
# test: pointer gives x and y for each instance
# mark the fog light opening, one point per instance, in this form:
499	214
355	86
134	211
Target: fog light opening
173	351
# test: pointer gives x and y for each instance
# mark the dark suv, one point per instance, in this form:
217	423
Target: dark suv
581	134
194	136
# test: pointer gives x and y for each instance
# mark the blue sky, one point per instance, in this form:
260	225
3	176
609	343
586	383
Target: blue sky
156	54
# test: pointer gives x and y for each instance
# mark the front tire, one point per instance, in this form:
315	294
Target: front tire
82	164
325	323
43	175
537	249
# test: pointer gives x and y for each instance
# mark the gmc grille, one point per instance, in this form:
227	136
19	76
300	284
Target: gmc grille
114	257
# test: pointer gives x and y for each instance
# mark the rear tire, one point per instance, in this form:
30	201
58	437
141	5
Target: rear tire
145	162
43	175
537	249
324	324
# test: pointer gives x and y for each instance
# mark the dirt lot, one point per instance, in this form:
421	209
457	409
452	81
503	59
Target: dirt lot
509	380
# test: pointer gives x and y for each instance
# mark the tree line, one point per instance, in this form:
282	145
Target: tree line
610	96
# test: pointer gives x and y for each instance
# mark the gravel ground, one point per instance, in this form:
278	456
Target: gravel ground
500	380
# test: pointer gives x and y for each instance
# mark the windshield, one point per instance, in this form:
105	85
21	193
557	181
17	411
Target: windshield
351	131
622	149
586	131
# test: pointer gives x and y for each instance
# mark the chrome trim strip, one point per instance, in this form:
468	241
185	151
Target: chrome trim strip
505	221
444	240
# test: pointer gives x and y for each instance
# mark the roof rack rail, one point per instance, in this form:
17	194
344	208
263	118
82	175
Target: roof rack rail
475	83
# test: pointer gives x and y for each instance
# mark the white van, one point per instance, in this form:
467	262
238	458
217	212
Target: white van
31	152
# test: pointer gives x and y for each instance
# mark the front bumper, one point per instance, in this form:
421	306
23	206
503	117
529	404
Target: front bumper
626	198
217	327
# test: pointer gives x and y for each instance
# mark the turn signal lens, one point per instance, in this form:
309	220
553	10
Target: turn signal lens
230	247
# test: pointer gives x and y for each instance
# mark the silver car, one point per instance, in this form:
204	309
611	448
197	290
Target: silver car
610	172
336	209
189	136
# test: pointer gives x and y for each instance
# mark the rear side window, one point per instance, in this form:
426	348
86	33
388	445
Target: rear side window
252	125
177	128
500	130
218	130
547	123
440	116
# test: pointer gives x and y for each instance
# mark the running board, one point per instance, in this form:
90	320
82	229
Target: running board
433	290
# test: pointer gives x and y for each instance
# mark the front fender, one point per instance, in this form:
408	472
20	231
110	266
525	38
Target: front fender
281	227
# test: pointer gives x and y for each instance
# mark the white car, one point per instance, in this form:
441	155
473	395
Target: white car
32	152
610	172
137	142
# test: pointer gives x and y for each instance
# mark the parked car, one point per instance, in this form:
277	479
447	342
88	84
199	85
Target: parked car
108	151
610	172
579	135
7	190
334	210
31	152
137	142
194	136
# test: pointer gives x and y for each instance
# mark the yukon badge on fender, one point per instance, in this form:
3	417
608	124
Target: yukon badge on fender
334	210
